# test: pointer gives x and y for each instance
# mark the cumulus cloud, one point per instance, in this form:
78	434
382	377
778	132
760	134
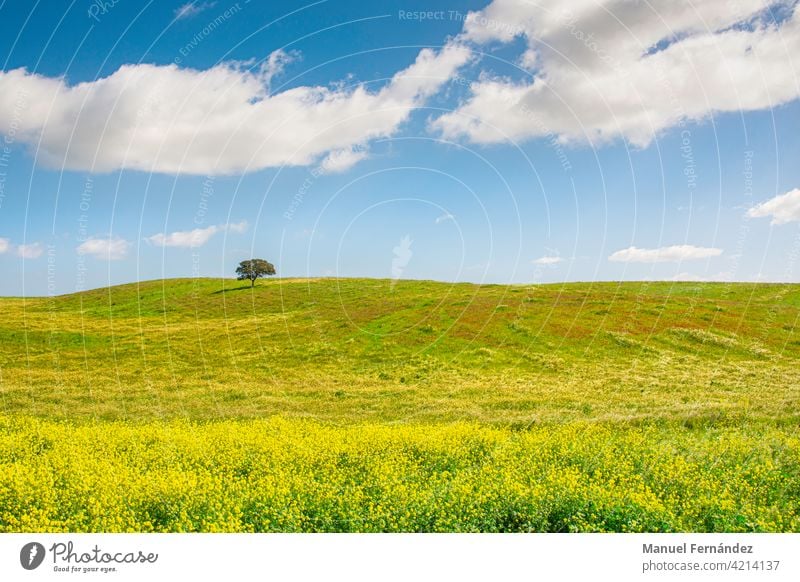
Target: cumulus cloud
30	251
784	208
341	160
108	249
26	251
223	120
547	260
672	254
192	9
603	69
238	227
196	237
186	238
276	63
444	217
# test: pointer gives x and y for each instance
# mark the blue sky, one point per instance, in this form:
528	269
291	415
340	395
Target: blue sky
476	141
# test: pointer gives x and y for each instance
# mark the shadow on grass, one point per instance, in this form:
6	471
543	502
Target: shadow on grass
242	288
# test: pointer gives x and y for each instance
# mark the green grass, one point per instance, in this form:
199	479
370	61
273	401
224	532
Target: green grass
665	387
364	350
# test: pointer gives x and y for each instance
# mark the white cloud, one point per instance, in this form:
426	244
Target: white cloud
610	68
219	121
194	238
30	251
238	227
185	238
109	249
444	217
192	9
784	208
276	63
344	159
547	260
672	254
27	251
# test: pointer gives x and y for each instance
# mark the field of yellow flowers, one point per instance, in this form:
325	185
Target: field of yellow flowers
294	475
369	405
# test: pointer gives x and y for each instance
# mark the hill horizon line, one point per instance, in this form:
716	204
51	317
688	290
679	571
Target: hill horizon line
300	279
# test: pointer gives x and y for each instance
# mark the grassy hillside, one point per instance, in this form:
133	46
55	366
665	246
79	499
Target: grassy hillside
368	405
373	350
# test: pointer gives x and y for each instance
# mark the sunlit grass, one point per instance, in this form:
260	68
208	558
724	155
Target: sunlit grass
367	405
364	350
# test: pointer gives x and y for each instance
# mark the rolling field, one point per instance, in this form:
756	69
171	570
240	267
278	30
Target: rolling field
373	405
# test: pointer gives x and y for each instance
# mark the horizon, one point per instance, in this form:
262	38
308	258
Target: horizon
311	279
483	142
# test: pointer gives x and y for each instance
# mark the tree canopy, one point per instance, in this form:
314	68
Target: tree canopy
254	269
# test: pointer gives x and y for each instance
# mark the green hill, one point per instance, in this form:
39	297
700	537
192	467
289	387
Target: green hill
369	405
375	350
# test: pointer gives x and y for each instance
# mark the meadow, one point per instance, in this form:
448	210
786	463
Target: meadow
374	405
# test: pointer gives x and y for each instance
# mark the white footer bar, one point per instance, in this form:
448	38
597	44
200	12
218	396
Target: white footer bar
440	557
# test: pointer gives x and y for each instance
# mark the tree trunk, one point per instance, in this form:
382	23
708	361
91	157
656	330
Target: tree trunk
252	283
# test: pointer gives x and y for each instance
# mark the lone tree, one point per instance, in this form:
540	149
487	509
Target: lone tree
253	269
